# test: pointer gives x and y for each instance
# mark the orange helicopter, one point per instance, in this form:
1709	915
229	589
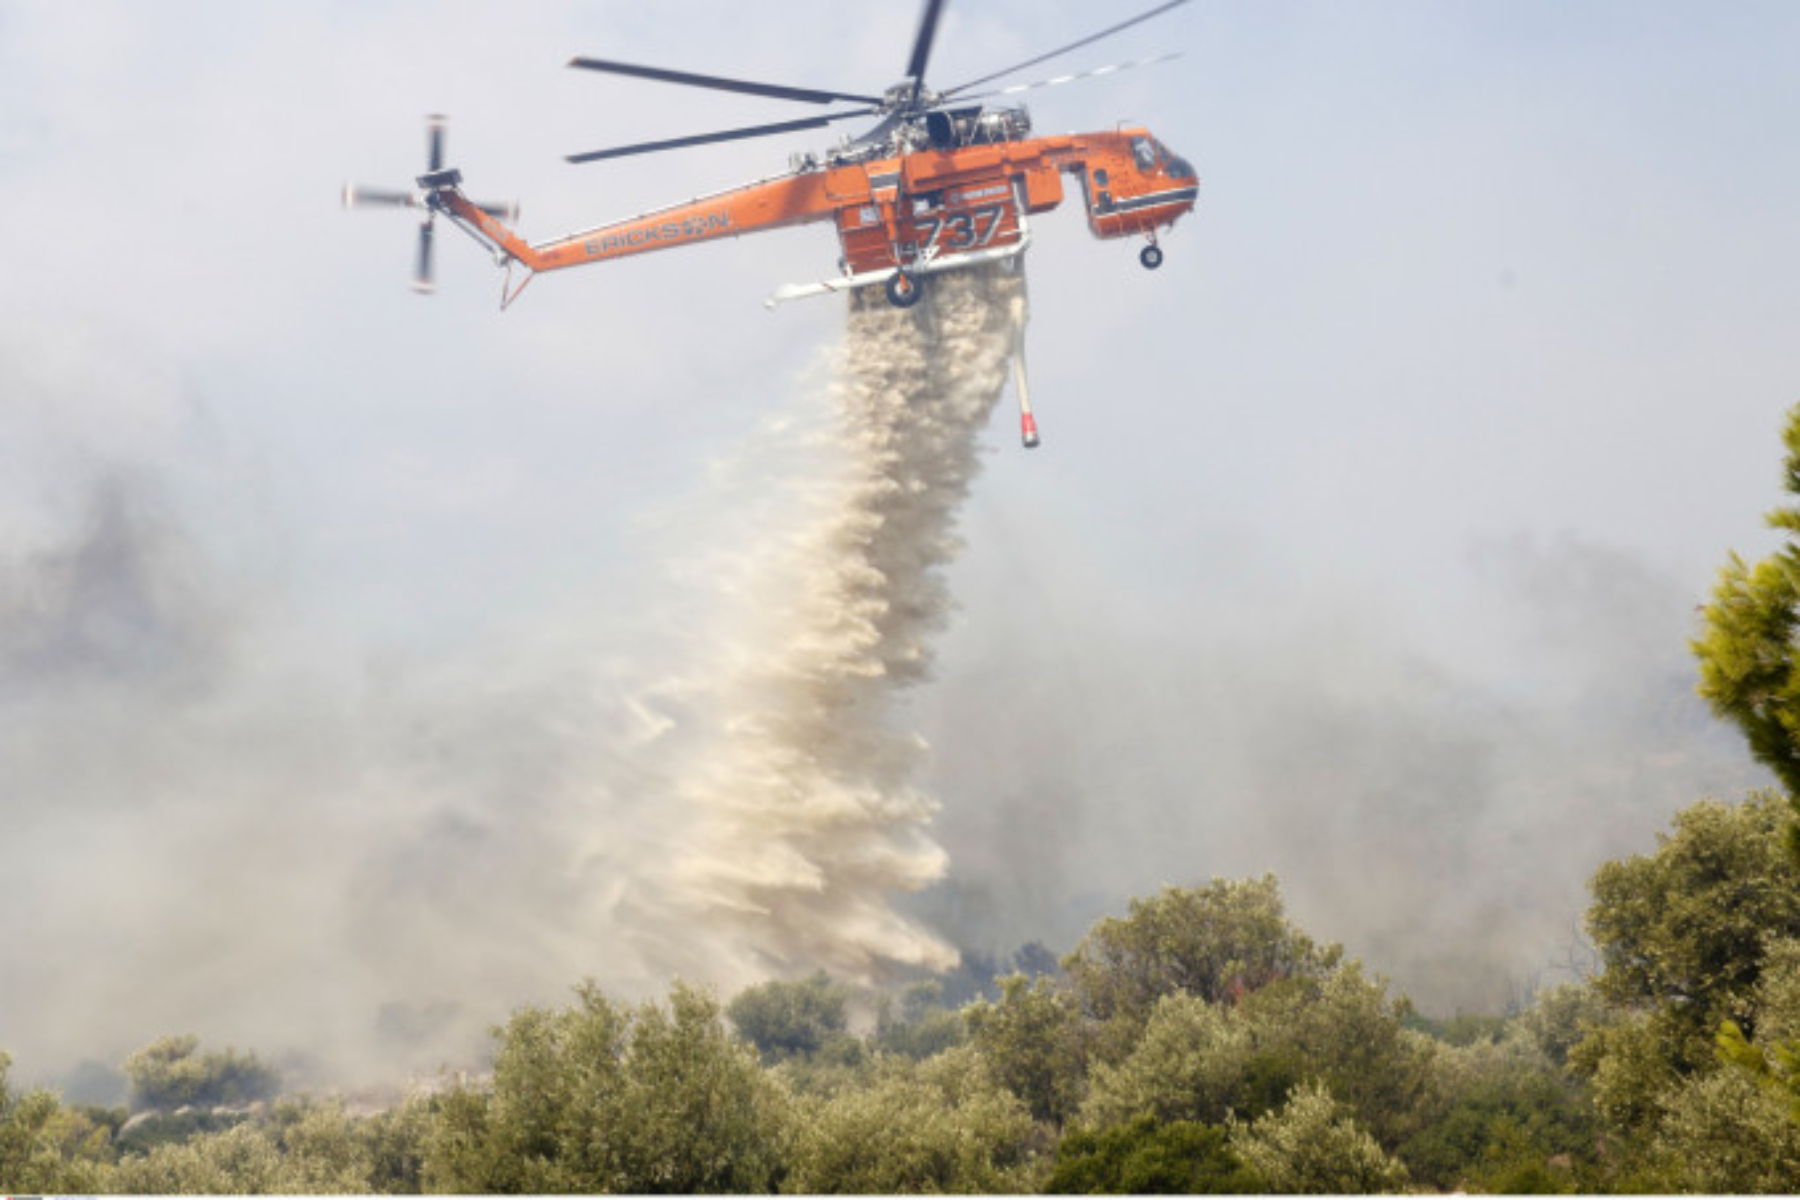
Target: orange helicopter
941	182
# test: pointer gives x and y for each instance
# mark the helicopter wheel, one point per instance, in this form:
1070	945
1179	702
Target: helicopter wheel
903	291
1151	257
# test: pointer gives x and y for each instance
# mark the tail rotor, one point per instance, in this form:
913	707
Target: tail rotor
357	196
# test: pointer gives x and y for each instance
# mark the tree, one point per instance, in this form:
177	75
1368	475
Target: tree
45	1147
1215	943
1193	1065
1723	1133
698	1113
1312	1145
941	1126
323	1150
1561	1017
1035	1042
242	1160
1684	931
1746	649
1342	1030
923	1027
791	1020
1497	1113
1778	992
170	1073
396	1141
1151	1157
597	1097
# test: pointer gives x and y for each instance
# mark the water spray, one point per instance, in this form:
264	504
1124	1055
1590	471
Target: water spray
810	817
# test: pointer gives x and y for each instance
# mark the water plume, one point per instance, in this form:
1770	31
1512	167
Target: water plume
810	816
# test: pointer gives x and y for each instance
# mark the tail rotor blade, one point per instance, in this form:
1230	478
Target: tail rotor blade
357	196
422	277
434	151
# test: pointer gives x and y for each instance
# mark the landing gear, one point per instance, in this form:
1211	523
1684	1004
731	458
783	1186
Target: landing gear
903	291
1151	256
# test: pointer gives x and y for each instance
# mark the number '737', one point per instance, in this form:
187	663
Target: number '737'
968	228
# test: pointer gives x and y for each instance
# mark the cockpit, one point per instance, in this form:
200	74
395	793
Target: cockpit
1152	155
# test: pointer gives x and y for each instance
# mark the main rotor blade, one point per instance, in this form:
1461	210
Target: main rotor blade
1091	38
1054	81
921	51
776	90
727	135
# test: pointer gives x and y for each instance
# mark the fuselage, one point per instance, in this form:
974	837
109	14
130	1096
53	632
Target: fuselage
927	191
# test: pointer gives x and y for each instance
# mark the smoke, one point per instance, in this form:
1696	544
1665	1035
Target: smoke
226	816
1438	808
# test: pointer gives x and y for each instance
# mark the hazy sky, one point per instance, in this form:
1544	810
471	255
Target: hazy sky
1363	545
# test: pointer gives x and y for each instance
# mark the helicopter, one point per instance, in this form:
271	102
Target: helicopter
942	181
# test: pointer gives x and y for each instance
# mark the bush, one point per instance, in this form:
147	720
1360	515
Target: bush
1150	1157
1312	1145
601	1098
935	1127
790	1020
170	1073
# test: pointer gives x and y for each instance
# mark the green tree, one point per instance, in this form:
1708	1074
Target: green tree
242	1160
171	1072
1313	1145
1151	1157
396	1141
1724	1133
1497	1113
1778	992
1034	1040
324	1151
922	1027
1217	942
1631	1064
935	1127
1343	1030
596	1097
1683	932
791	1019
1561	1018
45	1147
1746	648
1193	1065
1208	1063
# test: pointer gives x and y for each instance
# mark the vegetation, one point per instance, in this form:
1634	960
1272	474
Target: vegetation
1199	1043
171	1073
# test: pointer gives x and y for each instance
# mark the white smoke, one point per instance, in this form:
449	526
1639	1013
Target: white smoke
353	858
810	815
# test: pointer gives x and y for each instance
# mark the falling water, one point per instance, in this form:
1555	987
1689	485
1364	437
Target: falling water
810	813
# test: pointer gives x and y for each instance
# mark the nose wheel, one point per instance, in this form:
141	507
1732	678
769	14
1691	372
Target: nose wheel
1151	256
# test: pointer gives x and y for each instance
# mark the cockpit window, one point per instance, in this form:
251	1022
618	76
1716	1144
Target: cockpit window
1144	152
